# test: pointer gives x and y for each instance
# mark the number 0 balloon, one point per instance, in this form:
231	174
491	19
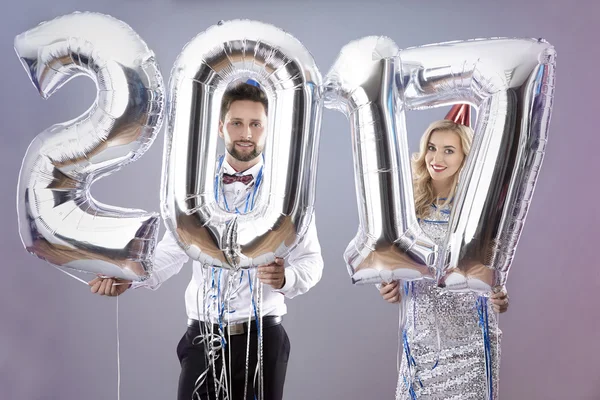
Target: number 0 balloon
222	54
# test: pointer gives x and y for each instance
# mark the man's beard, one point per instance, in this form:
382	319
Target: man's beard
256	151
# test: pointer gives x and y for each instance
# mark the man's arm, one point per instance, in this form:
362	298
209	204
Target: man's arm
304	264
168	260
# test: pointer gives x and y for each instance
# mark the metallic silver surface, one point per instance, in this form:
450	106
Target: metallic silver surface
511	83
59	221
286	71
389	243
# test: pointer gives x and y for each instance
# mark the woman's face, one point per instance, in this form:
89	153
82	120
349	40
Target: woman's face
444	155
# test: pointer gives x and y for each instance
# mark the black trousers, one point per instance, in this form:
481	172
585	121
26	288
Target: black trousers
194	361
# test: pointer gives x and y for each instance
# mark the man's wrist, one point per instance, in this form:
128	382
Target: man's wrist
289	280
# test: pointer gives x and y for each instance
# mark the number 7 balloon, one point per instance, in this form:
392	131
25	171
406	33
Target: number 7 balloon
511	82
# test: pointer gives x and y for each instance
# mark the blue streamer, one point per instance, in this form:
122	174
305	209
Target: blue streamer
540	80
409	358
409	287
411	391
482	311
249	203
216	283
253	83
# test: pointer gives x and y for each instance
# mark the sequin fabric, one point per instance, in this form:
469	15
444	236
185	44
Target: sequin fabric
429	314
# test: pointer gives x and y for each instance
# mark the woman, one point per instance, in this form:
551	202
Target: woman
443	341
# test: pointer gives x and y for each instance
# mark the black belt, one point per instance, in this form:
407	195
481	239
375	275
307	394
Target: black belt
238	328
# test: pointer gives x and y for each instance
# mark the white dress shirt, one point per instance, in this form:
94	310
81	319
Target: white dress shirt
303	267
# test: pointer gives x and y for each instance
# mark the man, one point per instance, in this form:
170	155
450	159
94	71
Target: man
243	128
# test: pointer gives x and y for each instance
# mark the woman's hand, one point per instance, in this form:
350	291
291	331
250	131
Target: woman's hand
500	301
390	292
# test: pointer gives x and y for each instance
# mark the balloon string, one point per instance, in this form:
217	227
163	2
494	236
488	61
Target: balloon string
213	344
217	344
248	339
400	329
260	342
229	382
117	325
497	345
118	355
71	275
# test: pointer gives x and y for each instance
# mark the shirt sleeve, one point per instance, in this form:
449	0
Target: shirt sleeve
169	257
304	265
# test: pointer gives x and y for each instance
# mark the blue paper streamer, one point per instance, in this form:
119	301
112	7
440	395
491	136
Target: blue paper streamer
482	311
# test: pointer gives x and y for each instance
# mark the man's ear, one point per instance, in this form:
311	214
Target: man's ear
221	129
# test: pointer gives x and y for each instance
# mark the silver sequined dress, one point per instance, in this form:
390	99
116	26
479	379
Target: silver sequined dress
460	373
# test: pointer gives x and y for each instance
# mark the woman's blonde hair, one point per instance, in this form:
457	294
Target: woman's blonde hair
423	189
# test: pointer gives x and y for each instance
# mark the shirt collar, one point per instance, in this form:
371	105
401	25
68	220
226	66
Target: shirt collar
254	170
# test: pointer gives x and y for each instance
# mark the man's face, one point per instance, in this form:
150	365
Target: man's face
243	130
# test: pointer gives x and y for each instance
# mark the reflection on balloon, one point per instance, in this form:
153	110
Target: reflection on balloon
59	221
511	83
283	208
389	243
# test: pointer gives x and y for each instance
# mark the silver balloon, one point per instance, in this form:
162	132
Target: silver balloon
389	243
511	82
222	54
59	221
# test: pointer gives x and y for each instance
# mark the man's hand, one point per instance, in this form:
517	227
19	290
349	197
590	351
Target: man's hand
499	301
109	286
390	292
272	274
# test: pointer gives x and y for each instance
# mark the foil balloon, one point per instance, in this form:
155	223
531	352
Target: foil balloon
389	243
285	70
511	82
59	221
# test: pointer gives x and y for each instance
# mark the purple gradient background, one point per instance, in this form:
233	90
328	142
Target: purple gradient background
57	341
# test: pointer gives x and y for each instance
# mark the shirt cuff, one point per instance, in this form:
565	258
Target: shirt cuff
290	281
137	284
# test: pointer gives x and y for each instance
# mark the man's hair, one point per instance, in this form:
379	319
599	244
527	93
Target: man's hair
243	91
